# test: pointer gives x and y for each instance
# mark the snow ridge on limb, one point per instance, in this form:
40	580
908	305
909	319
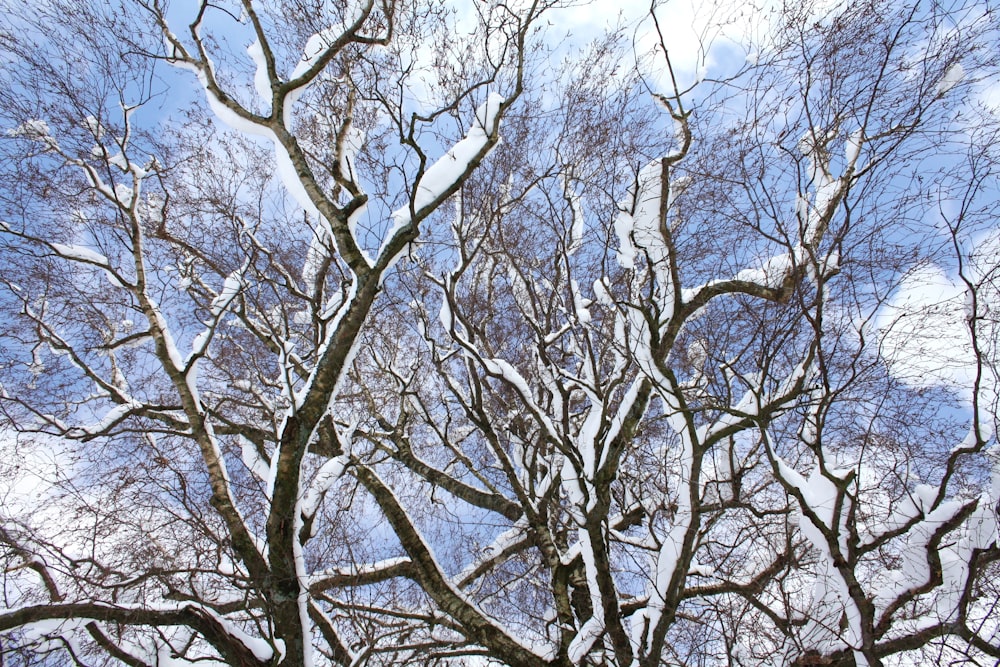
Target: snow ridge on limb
441	179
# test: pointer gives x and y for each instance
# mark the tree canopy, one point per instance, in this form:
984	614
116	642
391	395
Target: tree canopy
384	332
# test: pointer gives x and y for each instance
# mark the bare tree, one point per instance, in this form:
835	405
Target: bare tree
394	333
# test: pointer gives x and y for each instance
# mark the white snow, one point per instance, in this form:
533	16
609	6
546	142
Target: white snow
112	416
315	46
771	274
594	627
812	146
576	210
852	148
602	294
447	170
502	542
586	440
258	646
624	223
585	638
328	473
826	193
640	230
261	81
357	570
354	141
331	309
819	494
36	130
95	127
39	630
230	289
290	179
580	304
80	253
119	160
512	376
124	195
252	460
445	316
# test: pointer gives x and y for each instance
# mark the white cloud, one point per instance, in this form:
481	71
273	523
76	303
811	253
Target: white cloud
925	332
30	469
